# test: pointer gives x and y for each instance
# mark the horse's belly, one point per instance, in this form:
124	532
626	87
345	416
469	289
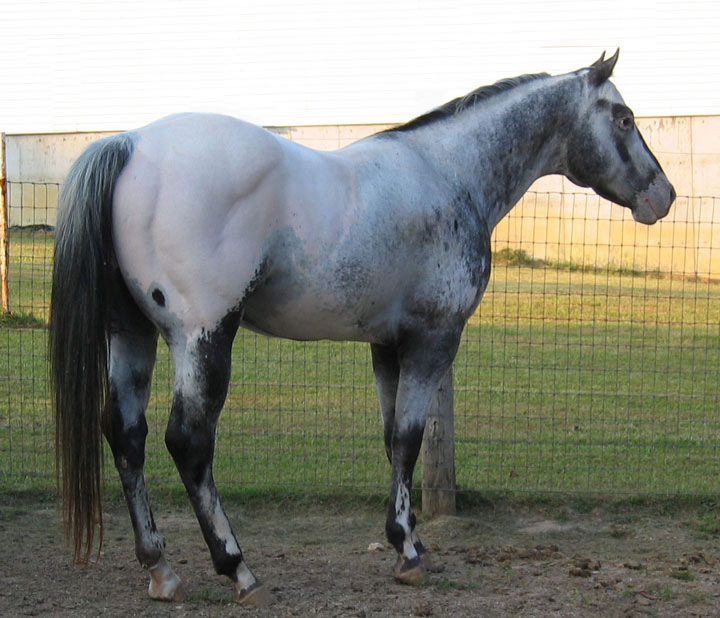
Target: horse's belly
306	329
308	315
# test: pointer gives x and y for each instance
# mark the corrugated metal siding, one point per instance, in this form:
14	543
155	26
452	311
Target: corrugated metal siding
85	65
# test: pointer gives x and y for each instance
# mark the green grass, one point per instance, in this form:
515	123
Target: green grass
31	250
706	525
567	380
20	320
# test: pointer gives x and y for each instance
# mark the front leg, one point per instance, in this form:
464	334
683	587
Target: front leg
386	368
401	520
424	360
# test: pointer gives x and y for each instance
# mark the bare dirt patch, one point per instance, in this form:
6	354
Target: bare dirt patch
501	561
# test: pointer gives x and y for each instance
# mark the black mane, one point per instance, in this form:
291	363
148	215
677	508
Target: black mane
465	102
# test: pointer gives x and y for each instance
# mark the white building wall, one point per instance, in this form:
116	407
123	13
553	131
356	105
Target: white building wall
71	65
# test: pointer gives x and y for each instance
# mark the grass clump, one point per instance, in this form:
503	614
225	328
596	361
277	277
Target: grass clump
20	320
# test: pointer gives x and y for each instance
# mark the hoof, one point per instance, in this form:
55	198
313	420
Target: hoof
429	564
410	572
164	584
257	594
167	591
426	560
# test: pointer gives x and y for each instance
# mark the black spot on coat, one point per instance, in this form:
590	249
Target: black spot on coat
158	297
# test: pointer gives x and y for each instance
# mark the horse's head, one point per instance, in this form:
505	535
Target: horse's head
607	152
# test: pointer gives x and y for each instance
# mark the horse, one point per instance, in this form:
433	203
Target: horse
198	224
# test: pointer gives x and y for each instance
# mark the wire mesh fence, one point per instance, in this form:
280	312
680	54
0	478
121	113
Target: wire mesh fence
592	364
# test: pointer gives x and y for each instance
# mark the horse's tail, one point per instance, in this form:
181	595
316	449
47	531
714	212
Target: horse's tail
78	333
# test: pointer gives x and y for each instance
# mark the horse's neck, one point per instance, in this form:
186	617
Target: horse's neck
497	150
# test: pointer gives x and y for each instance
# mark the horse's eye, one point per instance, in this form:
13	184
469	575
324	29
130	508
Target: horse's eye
625	122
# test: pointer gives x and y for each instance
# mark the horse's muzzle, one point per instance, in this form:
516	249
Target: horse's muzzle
654	202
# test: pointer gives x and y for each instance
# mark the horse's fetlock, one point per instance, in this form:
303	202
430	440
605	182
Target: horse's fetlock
412	520
227	564
149	557
395	535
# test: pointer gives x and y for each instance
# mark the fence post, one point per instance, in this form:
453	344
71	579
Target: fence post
438	453
4	239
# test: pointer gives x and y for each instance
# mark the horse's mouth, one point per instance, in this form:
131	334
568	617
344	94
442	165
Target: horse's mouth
654	203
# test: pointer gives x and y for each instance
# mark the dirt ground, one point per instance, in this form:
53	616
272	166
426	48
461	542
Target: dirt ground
497	561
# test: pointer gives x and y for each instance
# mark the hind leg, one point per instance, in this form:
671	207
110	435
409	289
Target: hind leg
202	368
133	344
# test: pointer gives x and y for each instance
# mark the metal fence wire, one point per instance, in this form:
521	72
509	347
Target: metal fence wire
592	365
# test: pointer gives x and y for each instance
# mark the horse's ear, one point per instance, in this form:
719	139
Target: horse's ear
601	69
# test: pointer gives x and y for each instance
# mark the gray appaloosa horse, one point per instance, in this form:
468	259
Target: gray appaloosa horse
198	224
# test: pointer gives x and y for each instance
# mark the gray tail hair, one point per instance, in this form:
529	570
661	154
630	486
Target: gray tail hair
78	333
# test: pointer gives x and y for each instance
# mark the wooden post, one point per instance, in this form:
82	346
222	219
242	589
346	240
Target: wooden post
4	239
438	453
